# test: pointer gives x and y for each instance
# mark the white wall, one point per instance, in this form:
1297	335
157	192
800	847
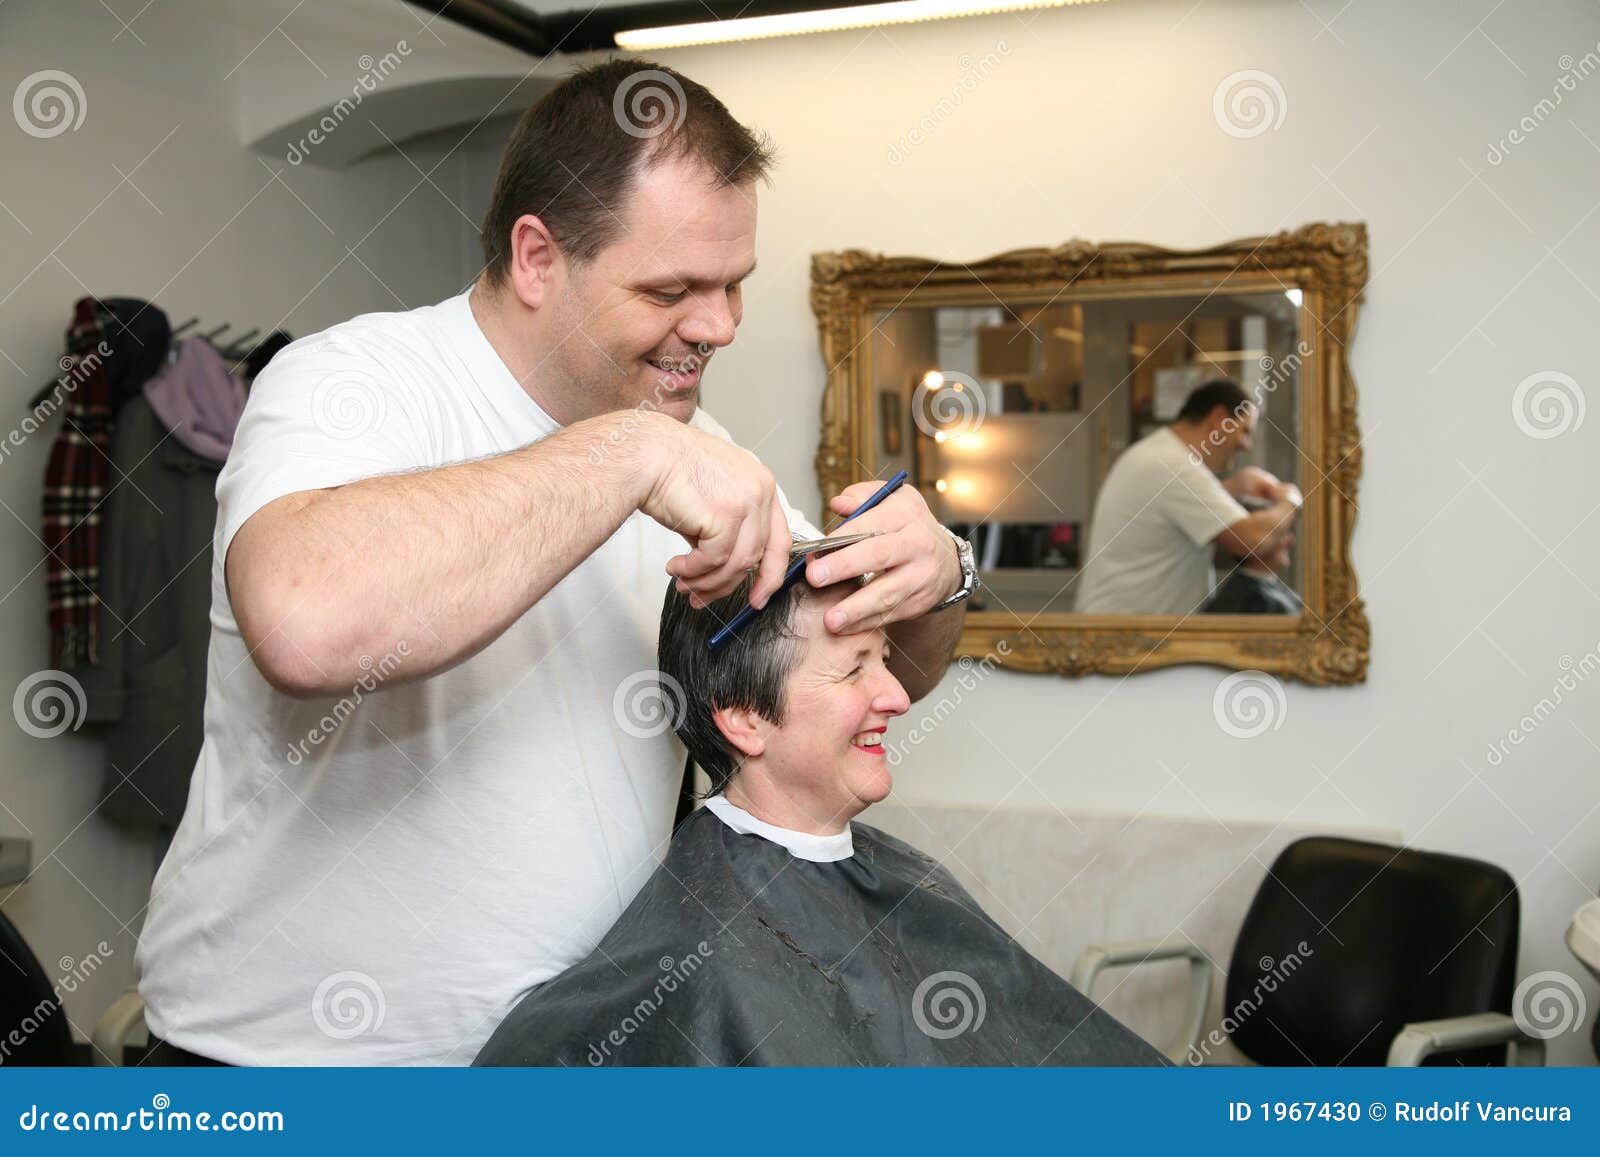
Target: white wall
201	226
1476	546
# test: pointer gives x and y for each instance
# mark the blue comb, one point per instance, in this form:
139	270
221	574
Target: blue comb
798	567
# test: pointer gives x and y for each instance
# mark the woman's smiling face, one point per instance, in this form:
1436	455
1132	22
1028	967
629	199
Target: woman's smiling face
827	759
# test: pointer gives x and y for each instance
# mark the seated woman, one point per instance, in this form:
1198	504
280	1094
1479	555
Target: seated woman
779	932
1253	585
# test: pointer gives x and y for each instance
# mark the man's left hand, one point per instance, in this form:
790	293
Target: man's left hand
913	559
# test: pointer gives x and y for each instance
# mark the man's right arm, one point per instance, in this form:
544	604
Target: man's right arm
435	564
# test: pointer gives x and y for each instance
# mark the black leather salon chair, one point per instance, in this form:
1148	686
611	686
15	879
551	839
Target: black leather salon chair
1409	958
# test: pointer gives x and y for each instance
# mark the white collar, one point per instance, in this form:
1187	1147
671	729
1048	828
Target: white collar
804	845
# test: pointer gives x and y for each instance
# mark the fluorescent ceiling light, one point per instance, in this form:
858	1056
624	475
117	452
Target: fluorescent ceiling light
821	20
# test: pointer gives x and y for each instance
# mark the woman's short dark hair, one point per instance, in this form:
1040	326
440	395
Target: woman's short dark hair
578	153
749	671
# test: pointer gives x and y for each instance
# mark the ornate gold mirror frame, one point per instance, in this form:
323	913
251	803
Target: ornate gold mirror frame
1328	263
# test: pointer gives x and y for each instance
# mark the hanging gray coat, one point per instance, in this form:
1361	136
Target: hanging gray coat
148	690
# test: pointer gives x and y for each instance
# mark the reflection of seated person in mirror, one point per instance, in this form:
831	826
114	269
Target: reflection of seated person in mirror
1253	585
1163	506
778	932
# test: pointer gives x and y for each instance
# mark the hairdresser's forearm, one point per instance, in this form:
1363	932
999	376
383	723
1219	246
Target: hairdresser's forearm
920	648
419	571
1258	533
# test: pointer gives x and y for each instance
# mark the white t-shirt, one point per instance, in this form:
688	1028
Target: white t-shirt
1150	541
375	878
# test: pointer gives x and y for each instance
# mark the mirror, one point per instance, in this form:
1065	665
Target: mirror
1153	453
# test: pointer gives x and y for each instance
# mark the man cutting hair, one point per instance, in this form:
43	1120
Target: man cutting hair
440	540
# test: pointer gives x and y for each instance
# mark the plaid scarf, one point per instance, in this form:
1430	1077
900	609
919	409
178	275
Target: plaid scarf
75	484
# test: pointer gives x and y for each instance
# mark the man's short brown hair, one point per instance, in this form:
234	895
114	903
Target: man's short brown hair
578	152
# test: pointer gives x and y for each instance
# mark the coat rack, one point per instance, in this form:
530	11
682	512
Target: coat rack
235	352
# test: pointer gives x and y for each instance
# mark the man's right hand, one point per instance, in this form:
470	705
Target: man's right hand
724	503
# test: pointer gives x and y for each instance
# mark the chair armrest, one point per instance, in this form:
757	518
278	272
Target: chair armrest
115	1024
1417	1041
1096	958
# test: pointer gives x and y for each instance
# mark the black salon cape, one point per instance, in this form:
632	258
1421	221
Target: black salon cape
736	952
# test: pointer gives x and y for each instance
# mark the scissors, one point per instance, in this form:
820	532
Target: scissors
832	542
801	550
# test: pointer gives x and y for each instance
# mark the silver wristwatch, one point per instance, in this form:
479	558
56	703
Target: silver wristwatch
969	574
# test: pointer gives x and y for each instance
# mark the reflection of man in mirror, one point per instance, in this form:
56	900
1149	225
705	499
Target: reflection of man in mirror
1163	506
1253	585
